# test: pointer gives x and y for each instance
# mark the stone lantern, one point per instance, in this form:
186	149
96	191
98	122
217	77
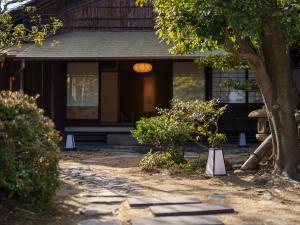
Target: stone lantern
263	128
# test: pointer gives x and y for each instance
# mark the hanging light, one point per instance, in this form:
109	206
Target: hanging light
142	67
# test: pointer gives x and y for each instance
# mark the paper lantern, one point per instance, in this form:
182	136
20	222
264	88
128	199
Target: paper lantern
142	67
215	164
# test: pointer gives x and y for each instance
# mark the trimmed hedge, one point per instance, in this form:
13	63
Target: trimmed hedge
29	151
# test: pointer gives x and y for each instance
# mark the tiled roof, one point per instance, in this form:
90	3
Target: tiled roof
94	45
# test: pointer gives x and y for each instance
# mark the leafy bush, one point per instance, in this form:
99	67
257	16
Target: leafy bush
184	121
156	160
163	133
196	165
197	120
29	151
160	131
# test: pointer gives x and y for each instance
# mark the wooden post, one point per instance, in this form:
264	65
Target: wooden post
11	82
13	77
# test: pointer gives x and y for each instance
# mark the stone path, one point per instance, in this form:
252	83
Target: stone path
100	222
191	209
104	194
178	220
99	210
100	183
142	202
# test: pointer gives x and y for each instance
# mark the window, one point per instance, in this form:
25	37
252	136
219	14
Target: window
296	75
253	96
83	91
229	95
188	81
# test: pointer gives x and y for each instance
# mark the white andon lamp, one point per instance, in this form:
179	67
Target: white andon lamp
215	164
242	140
70	142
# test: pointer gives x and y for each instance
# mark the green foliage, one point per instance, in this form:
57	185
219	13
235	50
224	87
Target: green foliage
183	121
29	151
233	25
246	85
36	30
156	160
160	131
196	165
224	62
197	120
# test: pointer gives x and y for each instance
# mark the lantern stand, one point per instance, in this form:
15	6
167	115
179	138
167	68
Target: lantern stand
215	163
70	142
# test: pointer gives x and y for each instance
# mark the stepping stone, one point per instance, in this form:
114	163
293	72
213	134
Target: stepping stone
217	195
98	210
142	202
178	220
104	193
107	200
191	209
100	222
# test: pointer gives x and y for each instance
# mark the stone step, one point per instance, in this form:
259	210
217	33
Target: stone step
105	200
102	193
178	220
151	201
98	210
100	222
190	209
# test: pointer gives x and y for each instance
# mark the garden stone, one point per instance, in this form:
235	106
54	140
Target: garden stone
100	222
97	210
107	200
217	195
103	193
136	202
178	220
190	209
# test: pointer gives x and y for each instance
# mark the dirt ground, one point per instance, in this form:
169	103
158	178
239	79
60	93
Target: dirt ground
257	199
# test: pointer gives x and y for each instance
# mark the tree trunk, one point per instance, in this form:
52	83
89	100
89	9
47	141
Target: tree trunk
274	75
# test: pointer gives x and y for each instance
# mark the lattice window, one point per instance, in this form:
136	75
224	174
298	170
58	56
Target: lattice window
230	95
253	96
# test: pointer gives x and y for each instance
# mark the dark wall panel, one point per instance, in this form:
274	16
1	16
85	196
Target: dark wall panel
10	69
58	96
47	79
4	76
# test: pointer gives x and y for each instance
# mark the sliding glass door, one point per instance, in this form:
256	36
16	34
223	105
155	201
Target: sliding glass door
83	91
188	81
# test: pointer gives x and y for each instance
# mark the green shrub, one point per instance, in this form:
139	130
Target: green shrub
29	151
184	121
196	165
163	133
156	160
159	131
197	120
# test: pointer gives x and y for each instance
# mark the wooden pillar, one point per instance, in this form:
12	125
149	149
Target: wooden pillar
12	78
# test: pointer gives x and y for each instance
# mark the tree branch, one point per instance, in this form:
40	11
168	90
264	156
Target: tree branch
4	4
239	52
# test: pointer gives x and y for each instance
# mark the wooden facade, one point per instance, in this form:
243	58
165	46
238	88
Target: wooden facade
48	77
98	14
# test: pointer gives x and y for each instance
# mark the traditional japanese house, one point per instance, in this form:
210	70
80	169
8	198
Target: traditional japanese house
106	68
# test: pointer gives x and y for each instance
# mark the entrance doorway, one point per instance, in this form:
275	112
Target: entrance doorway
109	97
